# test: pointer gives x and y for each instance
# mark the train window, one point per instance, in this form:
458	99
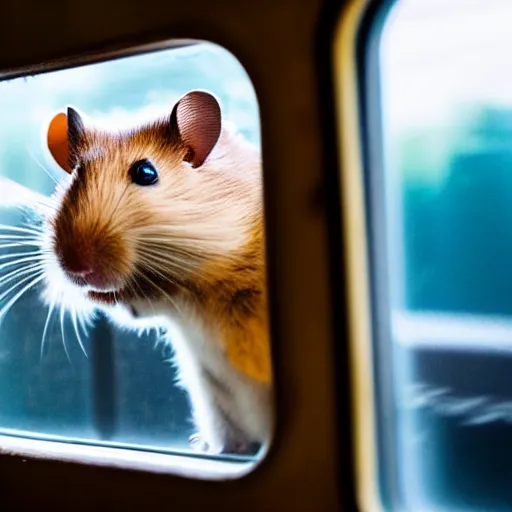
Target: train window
132	279
435	97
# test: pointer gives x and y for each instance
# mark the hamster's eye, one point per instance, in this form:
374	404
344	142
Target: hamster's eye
143	173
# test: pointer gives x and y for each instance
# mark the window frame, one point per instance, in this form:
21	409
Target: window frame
309	461
101	452
372	327
350	66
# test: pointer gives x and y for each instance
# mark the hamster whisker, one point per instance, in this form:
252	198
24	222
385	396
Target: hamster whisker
176	252
36	279
152	266
62	313
163	292
18	229
17	245
166	253
210	234
33	261
178	248
83	324
172	260
45	330
49	204
46	171
77	331
19	254
163	263
13	274
20	282
23	238
131	287
22	260
114	210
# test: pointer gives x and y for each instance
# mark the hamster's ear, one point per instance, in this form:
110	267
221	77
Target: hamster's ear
57	140
197	118
63	136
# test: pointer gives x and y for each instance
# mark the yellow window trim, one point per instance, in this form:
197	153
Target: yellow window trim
356	256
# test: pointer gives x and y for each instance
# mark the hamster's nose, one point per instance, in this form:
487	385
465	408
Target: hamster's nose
91	278
79	264
88	277
76	263
81	273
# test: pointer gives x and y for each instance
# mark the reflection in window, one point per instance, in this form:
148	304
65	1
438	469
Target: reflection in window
123	393
446	110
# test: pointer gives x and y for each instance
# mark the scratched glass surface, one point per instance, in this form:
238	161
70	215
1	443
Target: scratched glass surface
123	392
446	107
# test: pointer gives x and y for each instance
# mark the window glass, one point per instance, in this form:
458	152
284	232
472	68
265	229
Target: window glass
121	387
439	148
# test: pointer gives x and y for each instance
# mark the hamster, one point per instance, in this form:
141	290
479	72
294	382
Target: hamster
162	225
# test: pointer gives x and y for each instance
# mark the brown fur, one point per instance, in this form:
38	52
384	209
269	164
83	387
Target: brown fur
207	224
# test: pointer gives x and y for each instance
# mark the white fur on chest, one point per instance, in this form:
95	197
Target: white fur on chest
228	407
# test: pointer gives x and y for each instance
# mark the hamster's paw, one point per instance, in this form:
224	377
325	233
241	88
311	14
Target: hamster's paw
198	444
240	448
